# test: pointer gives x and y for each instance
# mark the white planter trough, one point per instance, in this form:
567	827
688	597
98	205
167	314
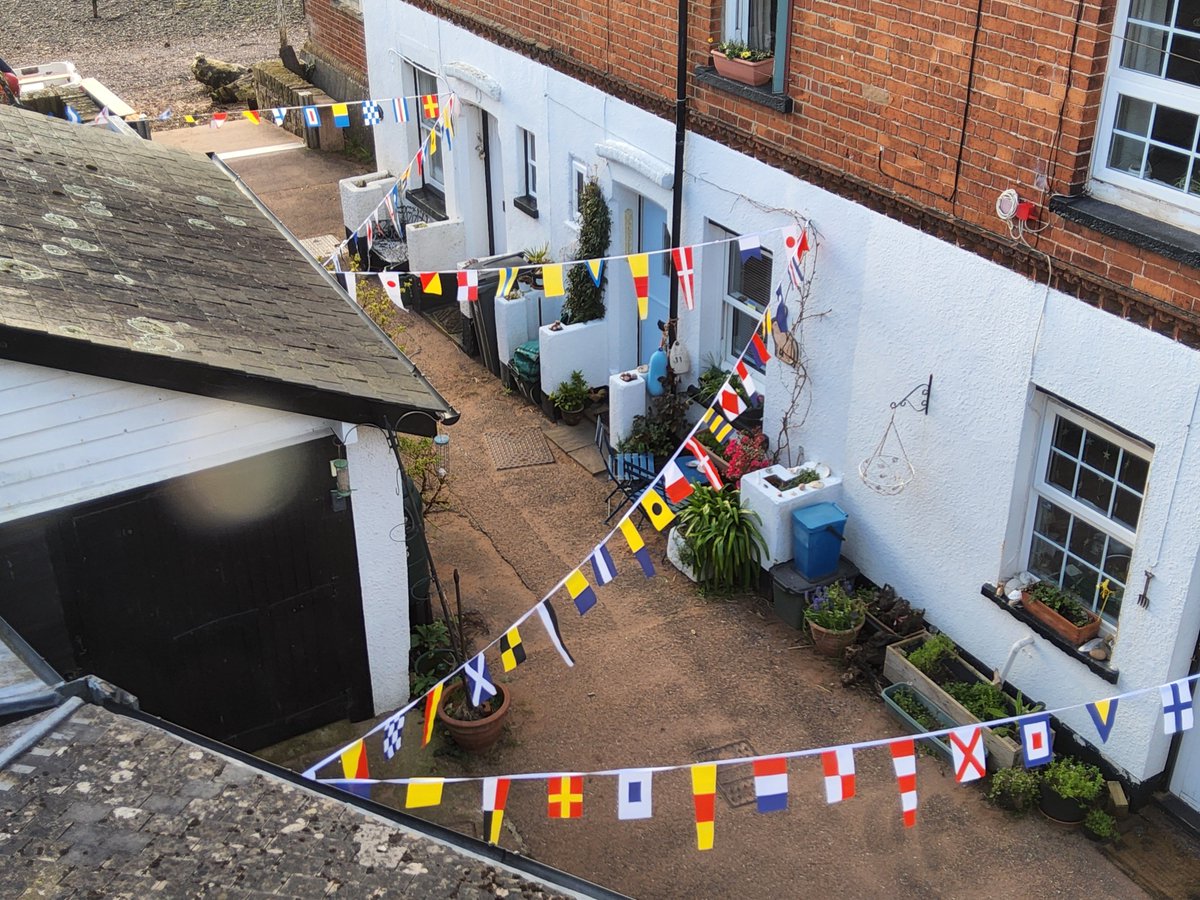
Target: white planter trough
512	327
626	401
582	346
775	507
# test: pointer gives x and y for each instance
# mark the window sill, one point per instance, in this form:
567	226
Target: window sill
1098	667
349	7
1133	228
428	200
760	95
527	205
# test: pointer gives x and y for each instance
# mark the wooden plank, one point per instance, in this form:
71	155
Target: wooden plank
104	97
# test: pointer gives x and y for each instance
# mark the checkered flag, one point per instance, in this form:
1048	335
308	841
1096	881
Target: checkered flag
392	730
371	112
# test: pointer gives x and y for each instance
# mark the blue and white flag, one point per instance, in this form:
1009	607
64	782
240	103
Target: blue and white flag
166	114
634	799
393	729
312	117
1037	740
278	113
371	113
603	566
1178	708
749	247
73	114
479	681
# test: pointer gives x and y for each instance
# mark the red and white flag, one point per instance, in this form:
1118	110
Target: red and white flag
370	233
743	371
760	347
732	404
217	120
838	766
704	461
675	483
686	272
968	754
468	285
904	761
391	284
495	795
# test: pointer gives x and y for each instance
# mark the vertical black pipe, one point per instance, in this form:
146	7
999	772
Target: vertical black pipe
485	127
680	135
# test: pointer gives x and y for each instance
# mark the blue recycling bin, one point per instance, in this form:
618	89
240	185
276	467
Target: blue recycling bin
817	532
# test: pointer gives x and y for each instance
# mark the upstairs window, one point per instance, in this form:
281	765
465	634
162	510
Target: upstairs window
753	23
1149	127
1087	499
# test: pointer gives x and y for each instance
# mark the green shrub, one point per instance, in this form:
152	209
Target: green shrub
585	299
1073	779
1100	824
1062	601
931	657
916	710
1014	789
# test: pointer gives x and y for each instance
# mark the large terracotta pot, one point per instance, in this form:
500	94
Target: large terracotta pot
828	642
478	735
755	74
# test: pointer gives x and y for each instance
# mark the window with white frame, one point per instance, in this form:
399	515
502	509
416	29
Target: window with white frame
747	293
579	180
752	22
527	201
1150	120
434	172
1087	498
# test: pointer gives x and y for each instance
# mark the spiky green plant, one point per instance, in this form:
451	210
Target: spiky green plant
722	538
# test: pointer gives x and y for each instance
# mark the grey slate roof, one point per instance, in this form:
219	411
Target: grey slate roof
125	259
109	806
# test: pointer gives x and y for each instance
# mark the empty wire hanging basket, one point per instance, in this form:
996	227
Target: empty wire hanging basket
888	470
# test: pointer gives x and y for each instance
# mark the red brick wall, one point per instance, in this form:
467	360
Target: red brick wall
890	109
338	31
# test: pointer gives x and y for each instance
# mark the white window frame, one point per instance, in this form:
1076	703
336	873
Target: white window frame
1077	509
579	180
734	303
529	177
434	172
1168	204
735	22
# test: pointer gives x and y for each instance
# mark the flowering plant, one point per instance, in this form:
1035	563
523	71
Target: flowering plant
746	453
740	50
835	608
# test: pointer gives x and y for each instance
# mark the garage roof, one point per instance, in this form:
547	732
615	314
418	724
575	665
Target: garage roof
129	260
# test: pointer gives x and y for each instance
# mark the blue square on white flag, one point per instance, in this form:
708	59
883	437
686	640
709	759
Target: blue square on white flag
633	794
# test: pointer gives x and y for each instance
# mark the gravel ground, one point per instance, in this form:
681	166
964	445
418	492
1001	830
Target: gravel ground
142	50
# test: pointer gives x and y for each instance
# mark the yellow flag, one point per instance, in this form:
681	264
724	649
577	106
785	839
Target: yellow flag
423	792
639	267
632	538
704	796
552	280
432	141
656	508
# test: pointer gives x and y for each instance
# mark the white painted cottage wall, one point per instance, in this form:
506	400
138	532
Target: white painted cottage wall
66	438
889	306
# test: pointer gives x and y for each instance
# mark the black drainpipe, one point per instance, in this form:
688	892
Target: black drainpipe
677	183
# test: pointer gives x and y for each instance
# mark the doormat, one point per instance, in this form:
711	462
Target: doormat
735	783
518	447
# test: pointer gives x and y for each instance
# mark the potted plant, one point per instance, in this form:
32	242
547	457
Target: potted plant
1100	826
535	256
570	398
918	714
746	453
1069	788
721	539
835	618
1014	789
1061	611
739	62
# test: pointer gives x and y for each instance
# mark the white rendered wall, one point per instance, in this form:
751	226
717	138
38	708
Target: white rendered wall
378	505
890	305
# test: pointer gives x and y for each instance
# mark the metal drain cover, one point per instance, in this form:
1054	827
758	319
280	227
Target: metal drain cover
734	783
518	447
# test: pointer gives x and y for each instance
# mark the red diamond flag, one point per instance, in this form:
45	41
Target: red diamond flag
682	257
675	483
732	404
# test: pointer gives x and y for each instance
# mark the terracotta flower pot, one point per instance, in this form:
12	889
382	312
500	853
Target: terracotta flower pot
1065	628
755	74
478	735
831	643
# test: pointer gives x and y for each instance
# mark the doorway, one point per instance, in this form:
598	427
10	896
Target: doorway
652	235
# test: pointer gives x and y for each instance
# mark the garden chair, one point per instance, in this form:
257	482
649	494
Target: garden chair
629	472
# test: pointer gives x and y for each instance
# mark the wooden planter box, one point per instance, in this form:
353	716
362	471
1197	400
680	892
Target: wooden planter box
755	74
1002	752
1065	628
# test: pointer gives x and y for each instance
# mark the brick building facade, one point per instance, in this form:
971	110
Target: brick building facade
335	32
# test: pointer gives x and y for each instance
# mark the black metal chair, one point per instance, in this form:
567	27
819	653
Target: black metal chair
630	473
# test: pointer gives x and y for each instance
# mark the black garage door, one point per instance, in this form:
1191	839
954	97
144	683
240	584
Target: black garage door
227	601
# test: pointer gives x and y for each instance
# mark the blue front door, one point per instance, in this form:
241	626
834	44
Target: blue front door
653	235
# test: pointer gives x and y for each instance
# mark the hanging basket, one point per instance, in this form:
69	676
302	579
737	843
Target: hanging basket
886	475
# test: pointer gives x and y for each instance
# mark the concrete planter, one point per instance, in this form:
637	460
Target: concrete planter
626	401
775	507
1002	752
583	347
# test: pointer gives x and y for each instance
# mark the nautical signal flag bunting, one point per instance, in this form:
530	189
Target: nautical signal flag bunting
565	796
656	508
704	799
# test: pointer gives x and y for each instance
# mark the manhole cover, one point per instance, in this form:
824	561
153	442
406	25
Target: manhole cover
735	783
518	447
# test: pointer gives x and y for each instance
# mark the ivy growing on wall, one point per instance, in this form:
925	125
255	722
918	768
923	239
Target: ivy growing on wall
585	299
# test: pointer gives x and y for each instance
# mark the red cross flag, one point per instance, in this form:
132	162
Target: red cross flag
682	257
838	766
705	463
904	761
966	749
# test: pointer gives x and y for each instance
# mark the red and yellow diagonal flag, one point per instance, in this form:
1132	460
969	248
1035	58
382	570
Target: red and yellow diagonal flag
431	705
354	761
704	797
